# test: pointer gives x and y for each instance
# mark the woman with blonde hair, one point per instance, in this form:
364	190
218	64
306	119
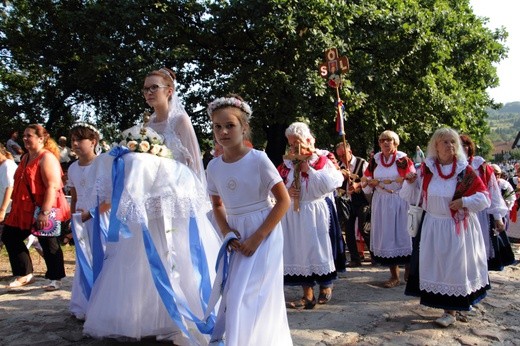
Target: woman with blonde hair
37	183
452	269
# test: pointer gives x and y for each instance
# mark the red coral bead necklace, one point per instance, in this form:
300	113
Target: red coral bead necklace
452	173
383	160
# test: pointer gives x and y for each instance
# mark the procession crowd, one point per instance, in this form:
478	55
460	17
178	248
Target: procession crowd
199	253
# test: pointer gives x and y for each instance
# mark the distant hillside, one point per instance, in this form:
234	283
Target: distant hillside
504	122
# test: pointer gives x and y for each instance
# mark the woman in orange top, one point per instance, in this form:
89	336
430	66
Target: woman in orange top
40	171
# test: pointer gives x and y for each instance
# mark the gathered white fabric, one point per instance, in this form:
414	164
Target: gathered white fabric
160	187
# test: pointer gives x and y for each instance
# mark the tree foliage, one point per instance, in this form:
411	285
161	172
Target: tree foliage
415	64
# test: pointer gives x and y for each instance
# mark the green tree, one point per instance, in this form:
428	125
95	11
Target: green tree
415	64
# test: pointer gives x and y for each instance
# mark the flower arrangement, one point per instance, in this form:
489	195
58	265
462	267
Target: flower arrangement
142	139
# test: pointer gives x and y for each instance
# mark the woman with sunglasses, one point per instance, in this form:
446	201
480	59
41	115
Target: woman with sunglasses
390	242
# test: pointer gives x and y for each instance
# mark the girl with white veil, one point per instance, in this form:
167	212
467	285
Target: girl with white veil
161	248
171	120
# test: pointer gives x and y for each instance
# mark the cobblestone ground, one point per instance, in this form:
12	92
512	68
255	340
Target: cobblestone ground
361	312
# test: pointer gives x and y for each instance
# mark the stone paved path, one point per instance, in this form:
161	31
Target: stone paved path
361	313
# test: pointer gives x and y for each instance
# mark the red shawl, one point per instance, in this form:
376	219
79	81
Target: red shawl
468	183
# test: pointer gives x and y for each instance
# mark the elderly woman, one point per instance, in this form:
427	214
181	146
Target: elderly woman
490	218
390	242
37	182
452	262
308	258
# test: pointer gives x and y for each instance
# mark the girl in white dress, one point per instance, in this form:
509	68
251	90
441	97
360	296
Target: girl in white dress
84	140
240	182
452	271
159	263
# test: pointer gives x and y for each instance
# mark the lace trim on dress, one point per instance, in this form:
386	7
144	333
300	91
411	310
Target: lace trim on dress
453	290
393	252
321	269
154	207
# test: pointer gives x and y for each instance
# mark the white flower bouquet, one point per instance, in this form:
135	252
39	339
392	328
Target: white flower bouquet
142	139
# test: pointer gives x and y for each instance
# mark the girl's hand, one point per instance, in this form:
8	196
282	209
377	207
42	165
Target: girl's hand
233	245
249	246
85	215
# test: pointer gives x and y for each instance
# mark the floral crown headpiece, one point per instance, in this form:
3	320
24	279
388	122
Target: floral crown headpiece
229	101
88	126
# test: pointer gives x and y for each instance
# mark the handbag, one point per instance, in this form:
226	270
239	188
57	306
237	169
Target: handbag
504	254
53	227
414	217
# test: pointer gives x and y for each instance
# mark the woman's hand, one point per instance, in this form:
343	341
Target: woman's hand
294	193
41	221
410	177
304	166
499	226
456	204
373	183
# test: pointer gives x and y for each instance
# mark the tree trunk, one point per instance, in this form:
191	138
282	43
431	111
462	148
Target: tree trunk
276	142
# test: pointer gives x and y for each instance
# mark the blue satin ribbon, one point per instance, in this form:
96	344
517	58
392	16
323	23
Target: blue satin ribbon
86	276
199	262
118	180
224	259
98	254
166	292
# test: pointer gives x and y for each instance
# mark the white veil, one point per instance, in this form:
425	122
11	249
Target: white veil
180	138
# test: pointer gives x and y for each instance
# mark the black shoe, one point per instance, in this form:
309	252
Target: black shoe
353	264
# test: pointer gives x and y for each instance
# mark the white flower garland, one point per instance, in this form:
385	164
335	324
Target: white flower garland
88	126
229	101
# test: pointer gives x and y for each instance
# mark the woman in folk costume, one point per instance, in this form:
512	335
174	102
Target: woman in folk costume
308	257
241	183
452	267
389	241
491	219
161	248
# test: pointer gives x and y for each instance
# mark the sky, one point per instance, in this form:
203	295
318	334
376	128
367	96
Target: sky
504	13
